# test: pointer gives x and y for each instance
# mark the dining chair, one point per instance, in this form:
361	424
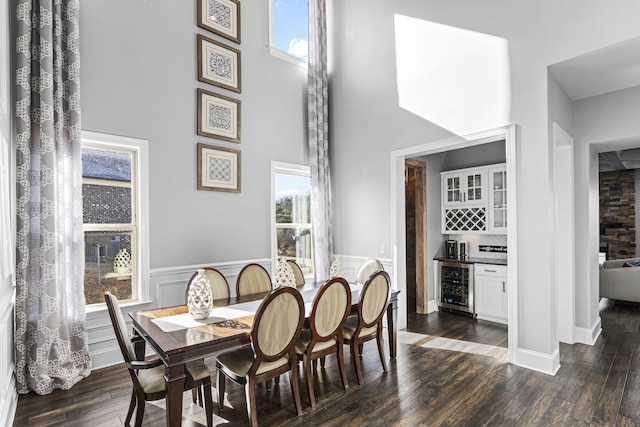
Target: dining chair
148	375
219	284
297	272
276	328
253	279
367	324
329	312
367	268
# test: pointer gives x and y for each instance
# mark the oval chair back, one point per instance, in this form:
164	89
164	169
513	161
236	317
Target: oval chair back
253	279
277	325
374	299
297	272
219	284
367	268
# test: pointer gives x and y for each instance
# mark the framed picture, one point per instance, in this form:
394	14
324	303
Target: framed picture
218	168
218	116
221	17
218	64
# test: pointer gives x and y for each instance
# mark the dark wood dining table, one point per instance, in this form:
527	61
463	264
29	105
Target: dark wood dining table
175	346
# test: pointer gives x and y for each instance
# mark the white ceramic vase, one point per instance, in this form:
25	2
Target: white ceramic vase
200	298
337	269
284	274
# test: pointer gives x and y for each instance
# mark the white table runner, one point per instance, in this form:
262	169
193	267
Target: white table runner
221	314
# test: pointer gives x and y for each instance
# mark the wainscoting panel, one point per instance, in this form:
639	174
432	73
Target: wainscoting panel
352	264
8	394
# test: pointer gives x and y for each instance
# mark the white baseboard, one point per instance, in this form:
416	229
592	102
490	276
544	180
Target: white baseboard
432	306
588	336
9	405
539	362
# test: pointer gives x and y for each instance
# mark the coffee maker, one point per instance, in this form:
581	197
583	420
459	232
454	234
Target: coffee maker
451	249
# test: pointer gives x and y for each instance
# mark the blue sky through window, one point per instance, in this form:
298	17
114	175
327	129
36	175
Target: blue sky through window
289	185
290	27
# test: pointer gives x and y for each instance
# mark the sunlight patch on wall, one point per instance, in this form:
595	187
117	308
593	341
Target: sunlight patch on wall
455	78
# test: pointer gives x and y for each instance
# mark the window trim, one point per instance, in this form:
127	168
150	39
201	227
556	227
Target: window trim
141	166
285	168
279	53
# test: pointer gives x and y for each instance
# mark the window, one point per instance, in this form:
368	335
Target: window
289	37
292	227
111	210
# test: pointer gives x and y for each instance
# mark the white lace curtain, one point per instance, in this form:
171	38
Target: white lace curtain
51	337
318	124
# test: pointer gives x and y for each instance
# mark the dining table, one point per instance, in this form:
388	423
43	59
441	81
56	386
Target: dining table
178	338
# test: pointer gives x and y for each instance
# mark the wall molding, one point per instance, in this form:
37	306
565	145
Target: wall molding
351	264
433	306
588	335
539	362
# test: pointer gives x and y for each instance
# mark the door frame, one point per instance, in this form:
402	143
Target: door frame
398	241
422	284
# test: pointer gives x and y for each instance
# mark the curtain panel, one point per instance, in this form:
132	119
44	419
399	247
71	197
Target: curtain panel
51	337
318	127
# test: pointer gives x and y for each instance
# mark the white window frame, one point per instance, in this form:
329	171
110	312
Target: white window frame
279	53
290	169
140	186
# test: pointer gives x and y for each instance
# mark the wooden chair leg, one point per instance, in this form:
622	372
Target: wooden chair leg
276	381
132	406
295	389
220	383
140	409
360	349
268	384
250	396
322	359
194	394
208	402
341	367
355	353
380	341
306	362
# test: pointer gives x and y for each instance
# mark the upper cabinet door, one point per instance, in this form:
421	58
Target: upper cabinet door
452	189
475	187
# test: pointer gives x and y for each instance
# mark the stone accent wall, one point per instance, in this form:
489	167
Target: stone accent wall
618	214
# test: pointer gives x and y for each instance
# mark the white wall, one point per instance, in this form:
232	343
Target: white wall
8	394
369	120
139	79
601	123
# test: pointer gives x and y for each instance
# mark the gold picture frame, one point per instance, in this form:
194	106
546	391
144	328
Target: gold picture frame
218	168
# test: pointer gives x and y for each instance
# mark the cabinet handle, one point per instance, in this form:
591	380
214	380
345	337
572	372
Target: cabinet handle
503	287
489	271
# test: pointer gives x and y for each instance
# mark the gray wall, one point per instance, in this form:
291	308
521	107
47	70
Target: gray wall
139	79
370	121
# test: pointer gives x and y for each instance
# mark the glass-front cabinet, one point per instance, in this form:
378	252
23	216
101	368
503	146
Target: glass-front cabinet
498	201
464	188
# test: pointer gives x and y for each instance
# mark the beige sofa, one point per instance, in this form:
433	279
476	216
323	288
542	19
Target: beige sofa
618	282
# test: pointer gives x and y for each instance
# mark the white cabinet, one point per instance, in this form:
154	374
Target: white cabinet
498	199
464	187
491	292
474	200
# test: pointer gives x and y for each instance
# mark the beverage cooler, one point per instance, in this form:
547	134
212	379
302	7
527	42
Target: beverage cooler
454	286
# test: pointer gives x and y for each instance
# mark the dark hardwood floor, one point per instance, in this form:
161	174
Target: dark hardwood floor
450	371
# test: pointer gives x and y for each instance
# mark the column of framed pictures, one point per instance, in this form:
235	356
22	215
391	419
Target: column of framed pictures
219	64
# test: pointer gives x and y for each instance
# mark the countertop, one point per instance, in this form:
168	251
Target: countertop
492	261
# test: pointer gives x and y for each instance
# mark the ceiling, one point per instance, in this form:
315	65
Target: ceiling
612	68
605	70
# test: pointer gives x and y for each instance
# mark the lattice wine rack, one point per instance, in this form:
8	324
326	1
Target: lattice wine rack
465	219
